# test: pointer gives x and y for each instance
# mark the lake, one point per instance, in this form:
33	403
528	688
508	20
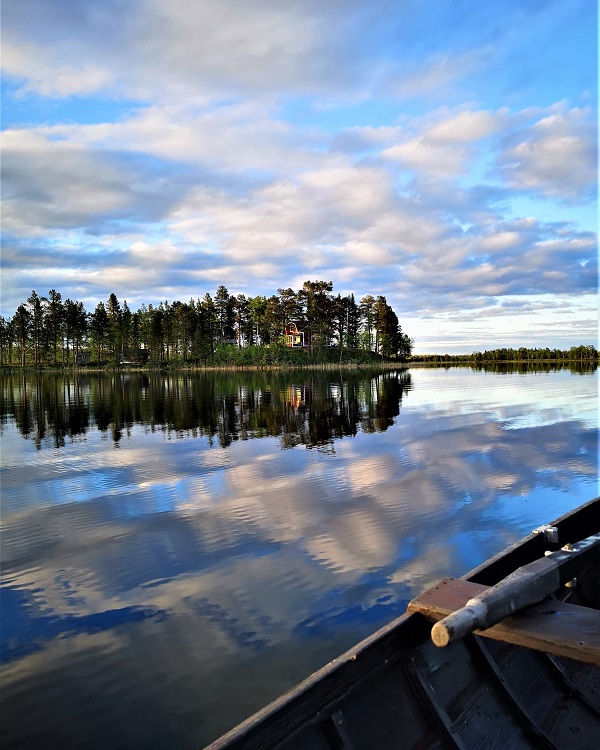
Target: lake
178	549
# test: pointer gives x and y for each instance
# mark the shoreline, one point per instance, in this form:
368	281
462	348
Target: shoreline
292	367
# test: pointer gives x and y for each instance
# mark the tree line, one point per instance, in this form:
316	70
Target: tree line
582	353
47	330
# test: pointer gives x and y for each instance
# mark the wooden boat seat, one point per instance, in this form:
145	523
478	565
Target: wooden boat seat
551	626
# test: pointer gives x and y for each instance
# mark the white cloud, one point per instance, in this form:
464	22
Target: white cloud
50	78
150	49
465	127
447	147
348	211
501	241
371	253
423	154
236	137
56	183
556	156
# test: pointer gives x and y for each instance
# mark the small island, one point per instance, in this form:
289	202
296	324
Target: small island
297	328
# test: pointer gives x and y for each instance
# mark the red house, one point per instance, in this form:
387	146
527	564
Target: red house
293	337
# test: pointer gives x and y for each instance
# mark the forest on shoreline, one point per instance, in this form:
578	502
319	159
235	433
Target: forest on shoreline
219	330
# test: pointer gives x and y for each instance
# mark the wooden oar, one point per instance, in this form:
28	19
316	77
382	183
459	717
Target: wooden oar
526	585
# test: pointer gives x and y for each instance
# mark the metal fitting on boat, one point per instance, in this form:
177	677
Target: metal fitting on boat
550	533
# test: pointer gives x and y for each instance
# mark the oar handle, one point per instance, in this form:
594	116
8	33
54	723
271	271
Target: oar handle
460	623
527	585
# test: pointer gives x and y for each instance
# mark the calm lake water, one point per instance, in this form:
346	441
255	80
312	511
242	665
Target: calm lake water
178	550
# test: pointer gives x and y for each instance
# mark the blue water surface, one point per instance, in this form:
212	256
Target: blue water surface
178	550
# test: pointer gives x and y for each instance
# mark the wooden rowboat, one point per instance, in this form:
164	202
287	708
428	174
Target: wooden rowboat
528	677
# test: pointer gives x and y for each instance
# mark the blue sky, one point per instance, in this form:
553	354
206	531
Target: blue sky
443	154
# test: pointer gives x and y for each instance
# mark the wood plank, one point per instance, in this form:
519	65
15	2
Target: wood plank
550	626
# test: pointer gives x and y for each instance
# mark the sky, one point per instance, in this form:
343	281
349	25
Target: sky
440	153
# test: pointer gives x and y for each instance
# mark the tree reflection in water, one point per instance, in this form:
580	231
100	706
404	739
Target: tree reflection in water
301	408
